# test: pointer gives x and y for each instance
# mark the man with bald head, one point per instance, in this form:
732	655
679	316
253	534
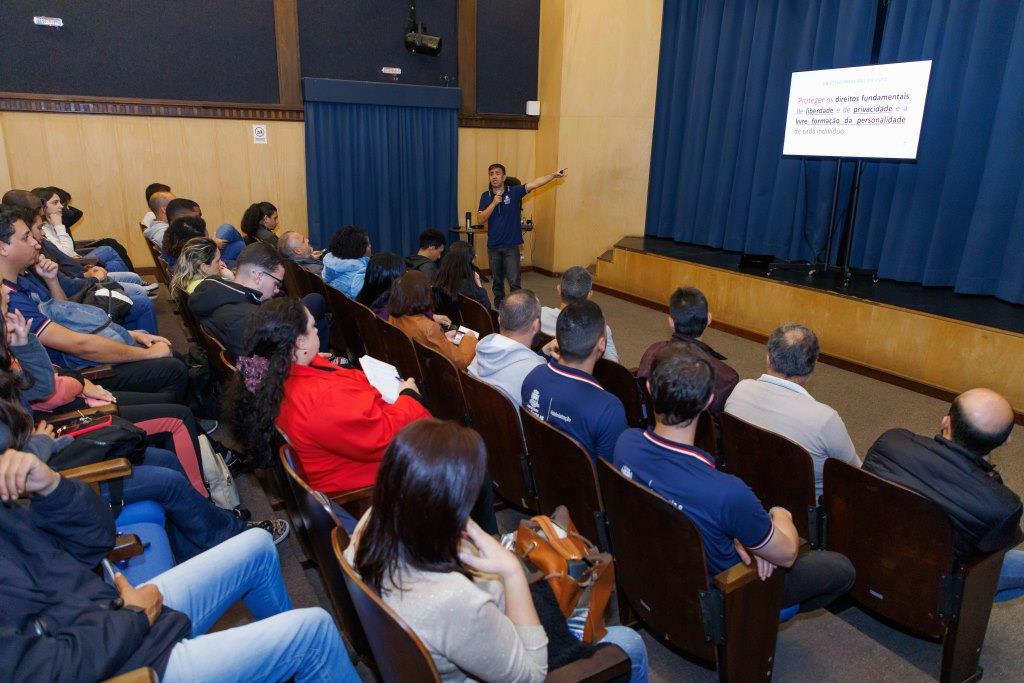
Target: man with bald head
295	246
952	470
158	202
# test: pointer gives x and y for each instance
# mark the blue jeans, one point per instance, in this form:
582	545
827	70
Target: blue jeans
194	524
110	259
142	316
282	643
1011	577
632	643
504	264
235	243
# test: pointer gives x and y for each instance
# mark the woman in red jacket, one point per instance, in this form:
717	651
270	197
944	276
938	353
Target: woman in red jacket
337	423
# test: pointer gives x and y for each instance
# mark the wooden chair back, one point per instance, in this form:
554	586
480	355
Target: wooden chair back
398	651
295	283
154	252
401	353
563	473
705	438
314	283
345	332
901	545
662	573
219	358
778	470
618	380
445	400
496	417
187	316
317	518
476	317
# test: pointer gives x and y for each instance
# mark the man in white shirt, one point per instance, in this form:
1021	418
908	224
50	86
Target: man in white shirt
158	202
576	285
152	189
504	360
778	402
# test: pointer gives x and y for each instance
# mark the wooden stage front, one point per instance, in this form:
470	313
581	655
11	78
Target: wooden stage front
861	329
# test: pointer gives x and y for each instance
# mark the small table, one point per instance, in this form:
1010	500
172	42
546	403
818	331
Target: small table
477	229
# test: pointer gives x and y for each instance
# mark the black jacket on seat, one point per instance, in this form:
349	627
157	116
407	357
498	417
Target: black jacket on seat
985	513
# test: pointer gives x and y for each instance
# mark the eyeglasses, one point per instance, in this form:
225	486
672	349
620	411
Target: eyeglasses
279	281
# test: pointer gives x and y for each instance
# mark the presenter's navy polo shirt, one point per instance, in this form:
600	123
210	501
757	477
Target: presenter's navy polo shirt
503	227
575	403
719	504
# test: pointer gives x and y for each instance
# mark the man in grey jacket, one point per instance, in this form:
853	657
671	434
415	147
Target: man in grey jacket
503	360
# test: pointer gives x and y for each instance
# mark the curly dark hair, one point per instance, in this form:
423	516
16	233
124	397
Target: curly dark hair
180	232
270	335
12	383
349	242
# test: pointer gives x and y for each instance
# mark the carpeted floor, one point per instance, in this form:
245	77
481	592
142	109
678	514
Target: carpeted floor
847	646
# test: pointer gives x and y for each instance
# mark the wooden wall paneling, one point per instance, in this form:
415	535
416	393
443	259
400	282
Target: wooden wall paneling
5	168
941	353
286	34
107	161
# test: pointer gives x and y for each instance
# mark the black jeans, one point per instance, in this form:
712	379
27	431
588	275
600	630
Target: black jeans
504	264
116	246
816	579
164	379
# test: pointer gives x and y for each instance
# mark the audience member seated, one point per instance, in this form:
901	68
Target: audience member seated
732	522
431	248
151	216
259	223
56	202
456	276
144	366
503	360
458	589
778	402
295	246
688	318
564	392
224	307
411	309
345	264
155	230
576	285
228	239
952	470
71	267
183	229
335	419
199	259
62	620
381	272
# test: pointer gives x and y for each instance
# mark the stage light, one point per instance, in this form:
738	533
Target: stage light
416	37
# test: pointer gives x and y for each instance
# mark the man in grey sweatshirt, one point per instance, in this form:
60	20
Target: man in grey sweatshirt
504	359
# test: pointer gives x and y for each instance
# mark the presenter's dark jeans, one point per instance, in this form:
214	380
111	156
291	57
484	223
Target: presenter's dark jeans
816	579
504	264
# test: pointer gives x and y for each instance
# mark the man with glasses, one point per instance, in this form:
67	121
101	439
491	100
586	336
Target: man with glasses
224	307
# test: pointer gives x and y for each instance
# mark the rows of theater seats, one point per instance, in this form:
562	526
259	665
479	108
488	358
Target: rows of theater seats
660	565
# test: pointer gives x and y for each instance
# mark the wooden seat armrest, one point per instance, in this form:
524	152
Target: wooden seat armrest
101	471
604	664
63	418
97	372
143	675
126	546
355	502
88	261
736	577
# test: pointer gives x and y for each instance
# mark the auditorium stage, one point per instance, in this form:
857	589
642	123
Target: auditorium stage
924	338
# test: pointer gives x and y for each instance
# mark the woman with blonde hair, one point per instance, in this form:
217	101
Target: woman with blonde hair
199	259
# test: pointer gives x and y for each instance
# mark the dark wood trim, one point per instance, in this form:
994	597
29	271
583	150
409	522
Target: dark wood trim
515	121
127	106
841	363
466	26
286	36
549	273
469	117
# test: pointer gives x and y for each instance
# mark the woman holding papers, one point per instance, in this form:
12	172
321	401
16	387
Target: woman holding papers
336	421
411	309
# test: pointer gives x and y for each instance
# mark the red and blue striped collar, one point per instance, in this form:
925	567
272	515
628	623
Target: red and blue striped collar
573	373
681	448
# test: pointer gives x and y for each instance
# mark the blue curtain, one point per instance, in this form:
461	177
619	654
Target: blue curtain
956	216
381	156
717	173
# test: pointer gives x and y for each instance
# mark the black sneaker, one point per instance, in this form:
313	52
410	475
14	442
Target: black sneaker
278	528
242	513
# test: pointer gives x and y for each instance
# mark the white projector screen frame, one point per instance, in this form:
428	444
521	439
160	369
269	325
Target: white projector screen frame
870	112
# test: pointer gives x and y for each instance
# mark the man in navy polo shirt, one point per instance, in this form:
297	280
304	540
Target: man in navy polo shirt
732	522
500	207
565	393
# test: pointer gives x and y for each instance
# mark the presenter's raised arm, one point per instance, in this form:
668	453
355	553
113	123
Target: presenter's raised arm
544	180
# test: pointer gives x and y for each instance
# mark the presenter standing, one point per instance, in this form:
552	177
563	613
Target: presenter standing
501	206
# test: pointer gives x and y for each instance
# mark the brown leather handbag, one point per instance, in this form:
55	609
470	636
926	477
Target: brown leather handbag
579	574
